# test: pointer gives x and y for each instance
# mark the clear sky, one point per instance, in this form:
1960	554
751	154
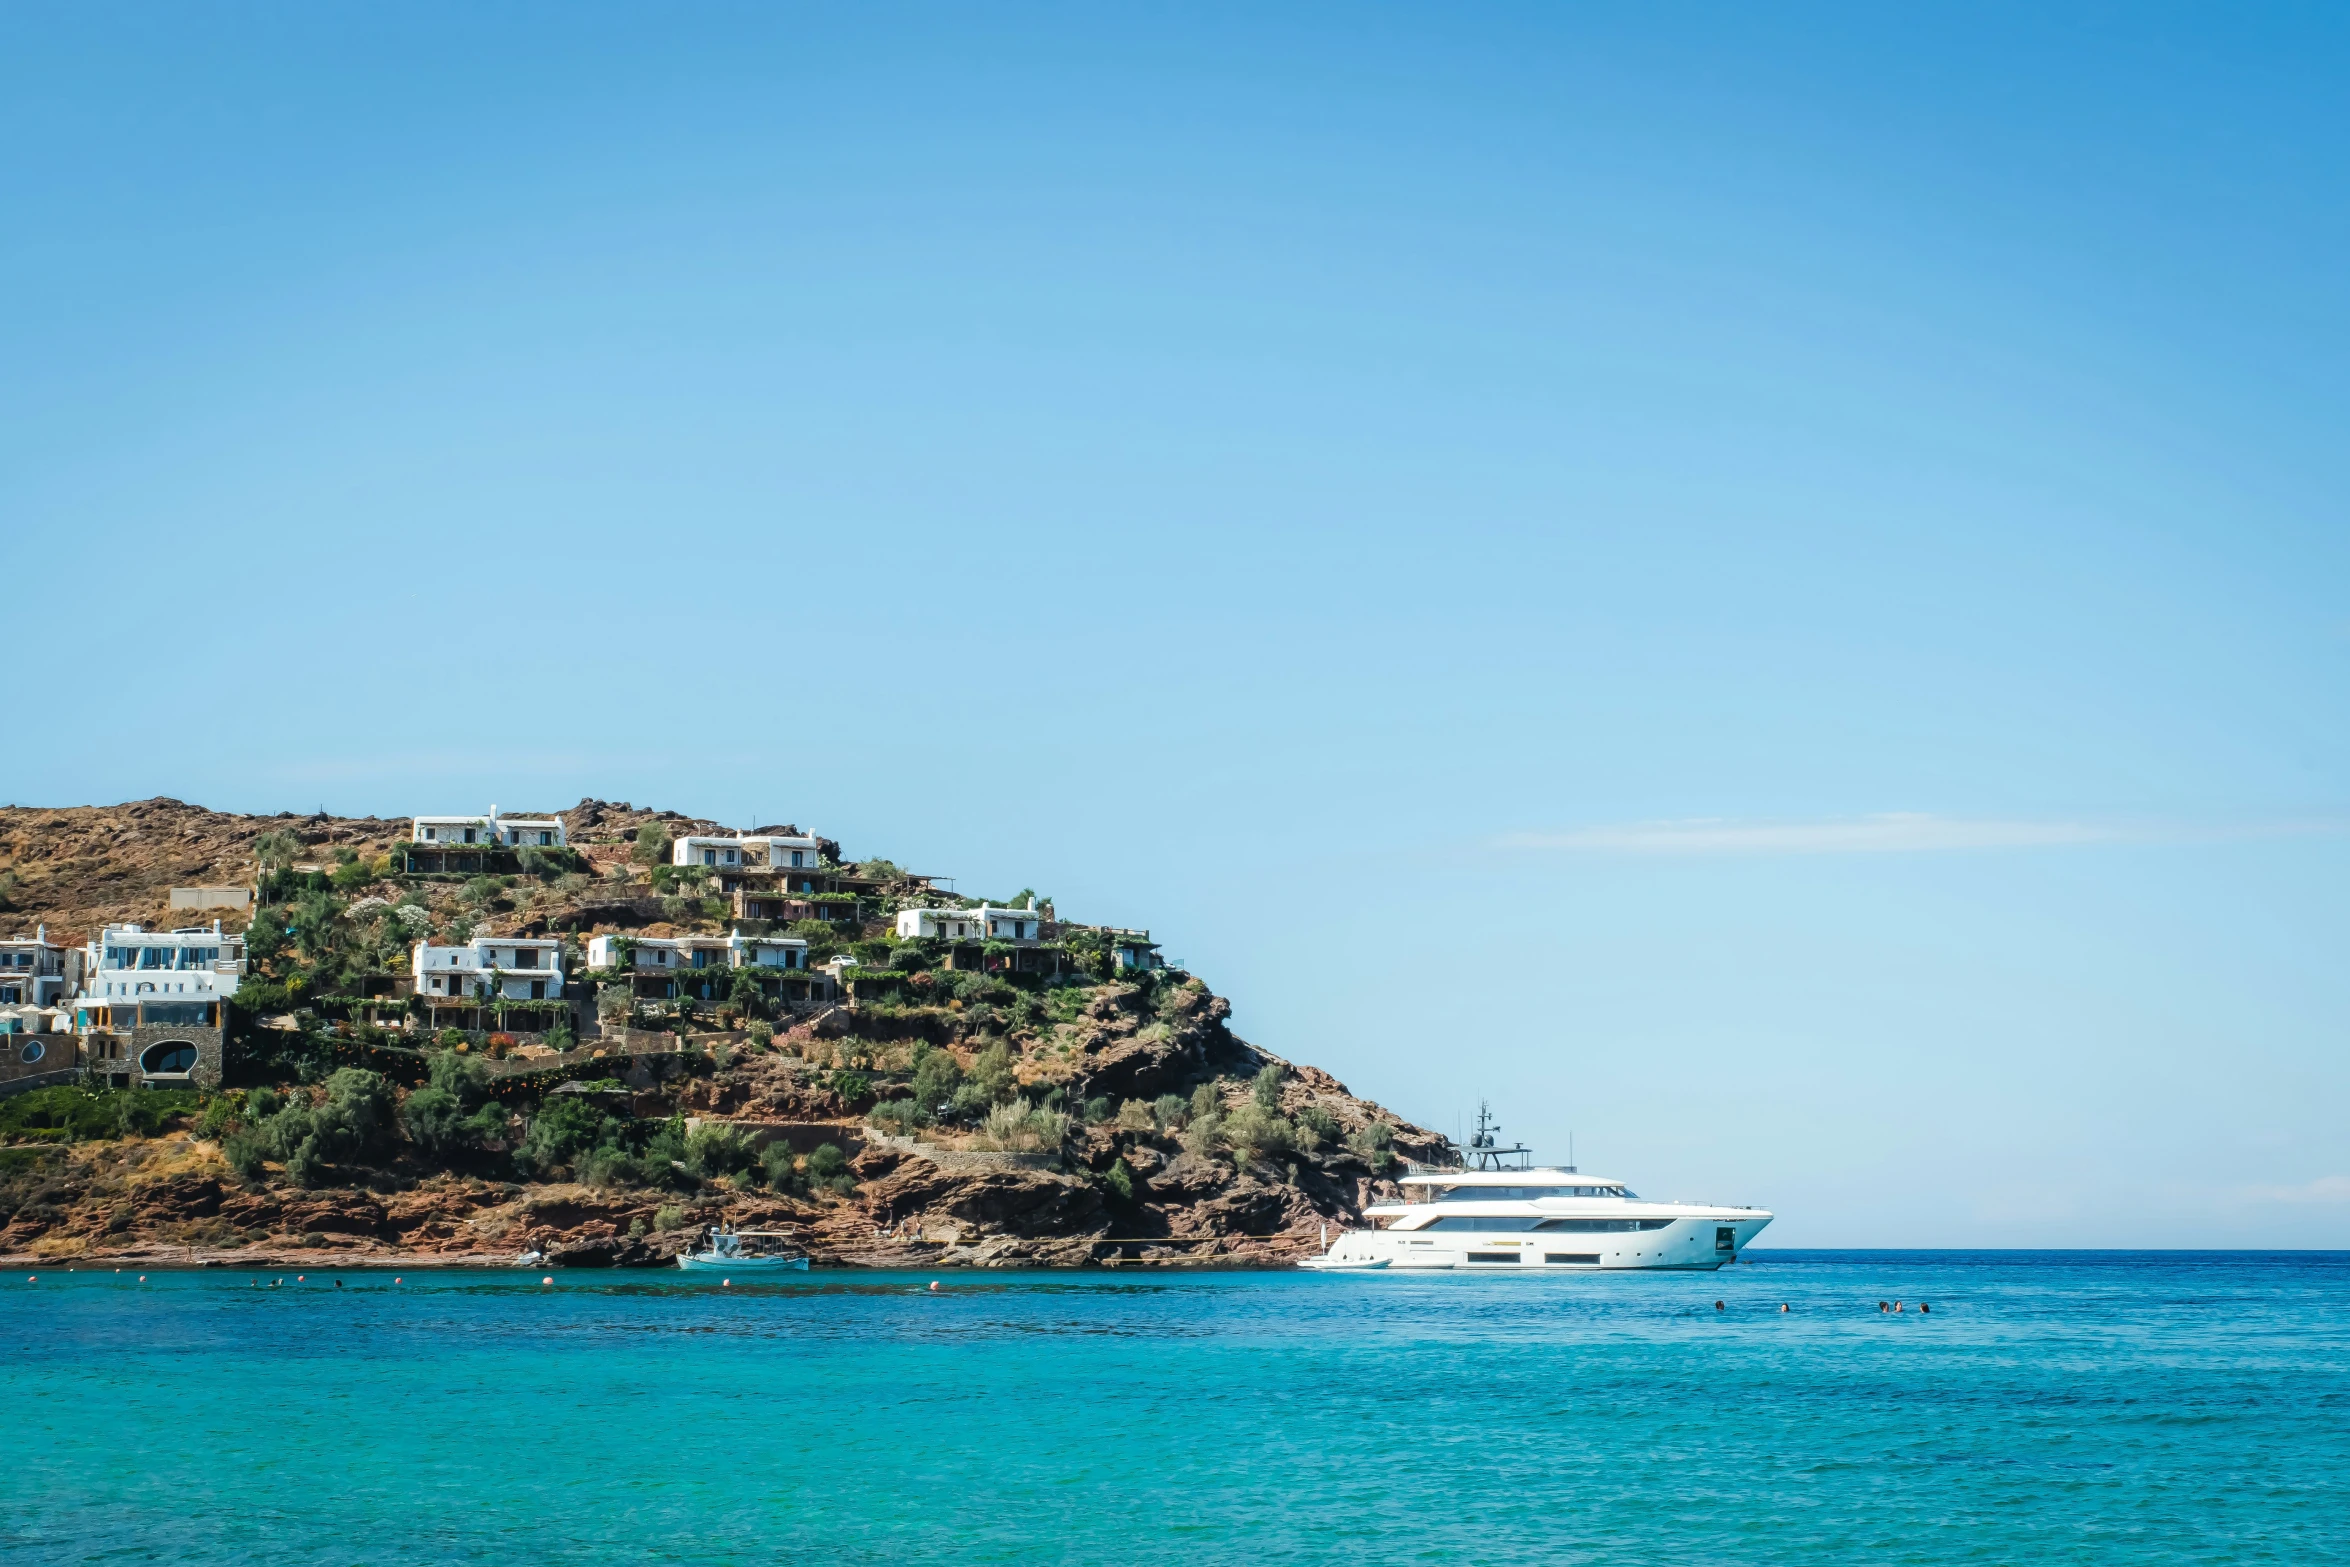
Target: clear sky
1762	585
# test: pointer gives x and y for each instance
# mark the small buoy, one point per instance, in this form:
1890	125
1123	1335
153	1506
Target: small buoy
726	1284
934	1286
549	1279
301	1278
142	1278
395	1281
35	1278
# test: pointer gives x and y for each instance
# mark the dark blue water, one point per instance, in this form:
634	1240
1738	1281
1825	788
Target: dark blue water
2054	1407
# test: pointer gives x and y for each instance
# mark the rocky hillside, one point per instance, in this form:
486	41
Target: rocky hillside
1097	1117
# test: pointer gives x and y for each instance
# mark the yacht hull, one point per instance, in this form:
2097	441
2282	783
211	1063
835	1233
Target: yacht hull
1695	1242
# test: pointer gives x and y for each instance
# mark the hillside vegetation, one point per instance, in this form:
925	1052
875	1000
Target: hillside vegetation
947	1116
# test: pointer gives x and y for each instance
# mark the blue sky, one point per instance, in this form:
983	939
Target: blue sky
1765	588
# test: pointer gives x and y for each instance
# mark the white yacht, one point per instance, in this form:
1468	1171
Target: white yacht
1497	1209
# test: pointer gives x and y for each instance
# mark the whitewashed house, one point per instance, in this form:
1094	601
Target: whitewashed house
38	972
984	923
491	831
151	1012
490	969
690	954
700	968
129	966
735	851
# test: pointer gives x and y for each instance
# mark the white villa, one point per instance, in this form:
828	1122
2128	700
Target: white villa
512	968
493	830
733	853
38	972
135	976
673	954
984	923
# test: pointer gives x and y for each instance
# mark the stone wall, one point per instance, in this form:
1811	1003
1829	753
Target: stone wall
24	1056
116	1060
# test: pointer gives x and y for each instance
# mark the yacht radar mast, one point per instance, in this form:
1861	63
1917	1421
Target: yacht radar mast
1485	1151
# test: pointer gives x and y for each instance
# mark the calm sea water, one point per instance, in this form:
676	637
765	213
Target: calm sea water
2055	1407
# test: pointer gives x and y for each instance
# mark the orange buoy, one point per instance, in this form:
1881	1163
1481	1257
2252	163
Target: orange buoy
549	1279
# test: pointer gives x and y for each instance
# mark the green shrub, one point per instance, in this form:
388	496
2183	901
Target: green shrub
852	1086
668	1217
1375	1145
652	845
1267	1089
1206	1101
1119	1180
1135	1116
990	1083
718	1150
1170	1112
900	1116
142	1112
245	1152
1098	1110
1257	1135
780	1165
1316	1128
937	1077
564	1128
1204	1134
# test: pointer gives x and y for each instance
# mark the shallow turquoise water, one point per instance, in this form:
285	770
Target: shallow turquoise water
2055	1407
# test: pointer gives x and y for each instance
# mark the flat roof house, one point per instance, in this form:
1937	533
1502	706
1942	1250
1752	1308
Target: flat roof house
510	968
38	972
492	830
984	923
150	1012
697	967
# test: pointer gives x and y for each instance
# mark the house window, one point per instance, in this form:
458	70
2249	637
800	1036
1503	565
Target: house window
431	833
795	857
469	838
546	840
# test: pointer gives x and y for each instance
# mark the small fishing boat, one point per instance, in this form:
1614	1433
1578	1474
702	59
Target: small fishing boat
725	1249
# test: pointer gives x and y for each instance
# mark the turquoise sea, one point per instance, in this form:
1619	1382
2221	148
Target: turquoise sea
2053	1407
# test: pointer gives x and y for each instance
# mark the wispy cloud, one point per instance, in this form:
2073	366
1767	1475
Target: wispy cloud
1890	833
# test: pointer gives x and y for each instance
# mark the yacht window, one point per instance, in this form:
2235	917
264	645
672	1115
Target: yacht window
1600	1226
1524	1193
1470	1221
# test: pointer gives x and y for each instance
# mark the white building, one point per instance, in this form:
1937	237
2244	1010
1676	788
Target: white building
493	830
733	852
984	923
134	977
516	968
685	954
38	972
